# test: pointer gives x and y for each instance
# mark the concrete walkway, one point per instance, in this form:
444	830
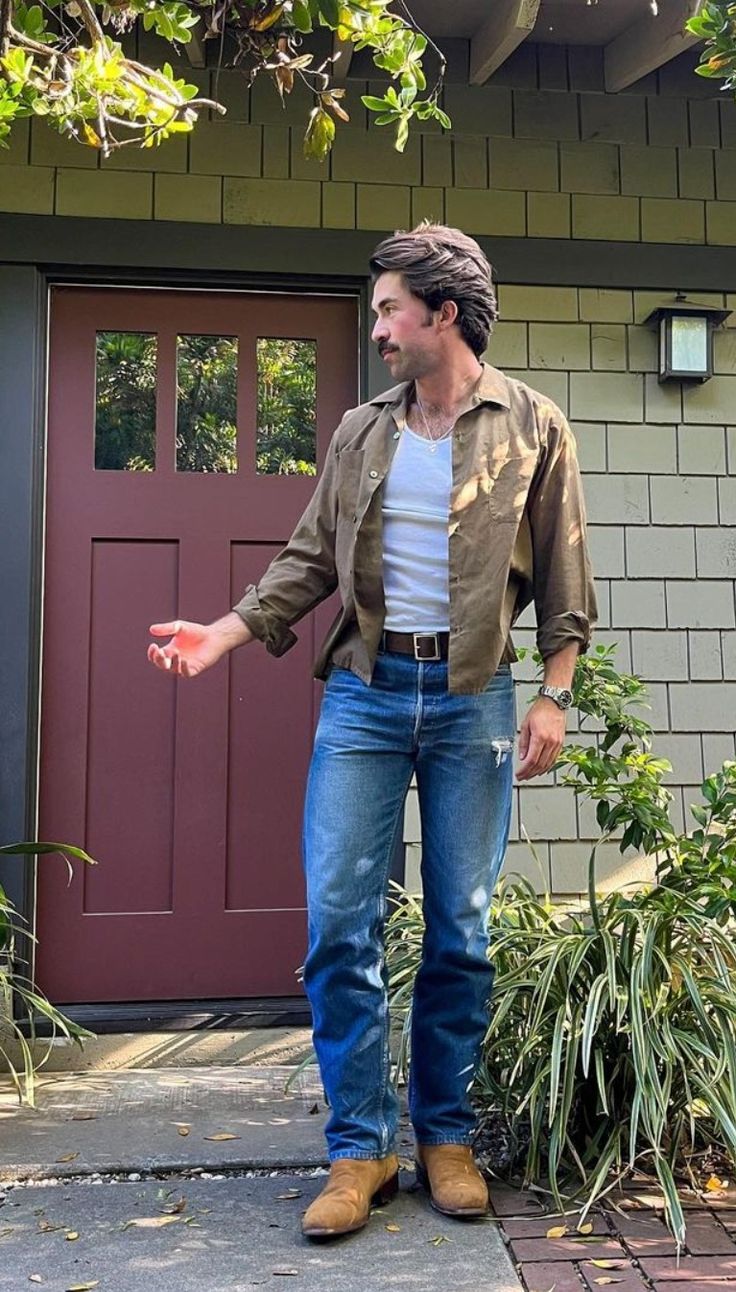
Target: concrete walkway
194	1179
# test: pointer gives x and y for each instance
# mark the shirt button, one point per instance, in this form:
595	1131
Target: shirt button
373	475
396	435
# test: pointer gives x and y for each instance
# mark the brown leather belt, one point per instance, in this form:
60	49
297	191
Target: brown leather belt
422	646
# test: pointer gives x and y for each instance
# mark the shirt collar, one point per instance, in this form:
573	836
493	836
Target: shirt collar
492	388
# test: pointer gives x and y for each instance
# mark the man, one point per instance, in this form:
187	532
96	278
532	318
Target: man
445	506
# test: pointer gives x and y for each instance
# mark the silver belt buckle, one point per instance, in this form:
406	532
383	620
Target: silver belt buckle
434	638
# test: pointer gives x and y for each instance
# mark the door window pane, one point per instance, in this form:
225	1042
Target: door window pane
206	403
286	437
125	401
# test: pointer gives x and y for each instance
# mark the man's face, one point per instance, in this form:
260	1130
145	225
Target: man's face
404	330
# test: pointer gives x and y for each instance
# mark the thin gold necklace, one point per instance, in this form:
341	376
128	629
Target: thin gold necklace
434	440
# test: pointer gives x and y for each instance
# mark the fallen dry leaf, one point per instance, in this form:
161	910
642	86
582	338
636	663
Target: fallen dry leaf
182	1129
439	1239
174	1208
48	1227
714	1183
72	1236
285	1272
605	1278
585	1229
557	1231
222	1135
150	1222
289	1195
4	1232
35	1278
394	1229
67	1157
84	1287
606	1265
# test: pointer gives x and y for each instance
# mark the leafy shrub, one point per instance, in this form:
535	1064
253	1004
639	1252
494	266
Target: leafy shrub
17	989
612	1041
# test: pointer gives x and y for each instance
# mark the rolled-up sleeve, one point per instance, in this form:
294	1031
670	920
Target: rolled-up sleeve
564	592
302	574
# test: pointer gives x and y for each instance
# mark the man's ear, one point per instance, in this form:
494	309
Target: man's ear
448	313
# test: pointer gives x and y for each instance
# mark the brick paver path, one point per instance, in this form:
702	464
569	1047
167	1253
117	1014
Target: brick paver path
630	1250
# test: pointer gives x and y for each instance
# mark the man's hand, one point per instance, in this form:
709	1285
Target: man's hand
541	738
195	647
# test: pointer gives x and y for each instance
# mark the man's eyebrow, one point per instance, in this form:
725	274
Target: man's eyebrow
387	300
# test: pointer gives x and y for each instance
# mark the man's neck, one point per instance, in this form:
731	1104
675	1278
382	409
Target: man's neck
449	387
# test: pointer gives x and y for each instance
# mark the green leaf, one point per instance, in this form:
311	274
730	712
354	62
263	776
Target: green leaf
330	11
320	134
301	16
402	134
375	104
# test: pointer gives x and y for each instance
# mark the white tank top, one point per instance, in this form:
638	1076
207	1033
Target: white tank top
416	548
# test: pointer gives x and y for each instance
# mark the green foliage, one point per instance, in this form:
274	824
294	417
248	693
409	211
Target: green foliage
612	1041
125	409
17	989
206	398
716	24
619	772
287	403
72	71
704	860
206	404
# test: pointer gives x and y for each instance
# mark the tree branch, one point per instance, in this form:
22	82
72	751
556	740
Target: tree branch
4	26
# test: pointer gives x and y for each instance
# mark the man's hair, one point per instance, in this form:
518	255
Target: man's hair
440	264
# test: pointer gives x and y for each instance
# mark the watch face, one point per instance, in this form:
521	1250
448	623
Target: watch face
560	694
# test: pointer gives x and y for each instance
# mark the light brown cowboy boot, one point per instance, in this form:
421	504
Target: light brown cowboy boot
453	1181
345	1202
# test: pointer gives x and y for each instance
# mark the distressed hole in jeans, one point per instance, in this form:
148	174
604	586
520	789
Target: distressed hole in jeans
501	750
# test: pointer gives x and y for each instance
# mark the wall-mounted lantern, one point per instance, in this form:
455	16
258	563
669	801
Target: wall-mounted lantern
686	339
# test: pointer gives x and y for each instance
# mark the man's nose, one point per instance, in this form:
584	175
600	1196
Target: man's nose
380	331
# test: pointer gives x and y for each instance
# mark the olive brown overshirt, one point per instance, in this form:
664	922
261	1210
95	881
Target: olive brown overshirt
516	534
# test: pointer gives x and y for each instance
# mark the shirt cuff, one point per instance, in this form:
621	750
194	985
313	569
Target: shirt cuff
558	631
272	631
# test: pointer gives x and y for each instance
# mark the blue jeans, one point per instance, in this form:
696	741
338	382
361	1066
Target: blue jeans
369	741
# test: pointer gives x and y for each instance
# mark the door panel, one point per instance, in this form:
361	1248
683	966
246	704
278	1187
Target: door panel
182	430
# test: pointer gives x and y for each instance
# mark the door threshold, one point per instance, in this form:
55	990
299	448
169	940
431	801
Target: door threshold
184	1015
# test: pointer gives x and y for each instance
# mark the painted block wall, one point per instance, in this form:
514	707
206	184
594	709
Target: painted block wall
659	468
540	152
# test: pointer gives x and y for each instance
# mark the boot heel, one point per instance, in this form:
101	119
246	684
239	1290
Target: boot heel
387	1191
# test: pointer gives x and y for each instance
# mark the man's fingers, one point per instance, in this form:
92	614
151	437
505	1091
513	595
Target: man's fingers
166	630
544	759
158	657
528	764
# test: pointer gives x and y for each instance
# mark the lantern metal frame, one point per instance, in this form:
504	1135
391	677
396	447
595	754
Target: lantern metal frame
662	319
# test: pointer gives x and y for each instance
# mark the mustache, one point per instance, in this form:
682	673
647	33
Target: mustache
385	348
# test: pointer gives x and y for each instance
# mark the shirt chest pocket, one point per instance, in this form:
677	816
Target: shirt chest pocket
509	486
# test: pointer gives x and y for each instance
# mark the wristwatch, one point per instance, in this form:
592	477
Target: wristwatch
560	694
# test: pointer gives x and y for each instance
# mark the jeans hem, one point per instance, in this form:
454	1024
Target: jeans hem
434	1140
362	1155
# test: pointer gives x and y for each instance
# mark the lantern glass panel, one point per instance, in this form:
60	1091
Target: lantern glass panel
690	345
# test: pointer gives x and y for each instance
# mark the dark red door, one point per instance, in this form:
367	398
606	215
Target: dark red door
184	432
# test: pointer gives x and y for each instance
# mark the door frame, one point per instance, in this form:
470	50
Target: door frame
25	303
